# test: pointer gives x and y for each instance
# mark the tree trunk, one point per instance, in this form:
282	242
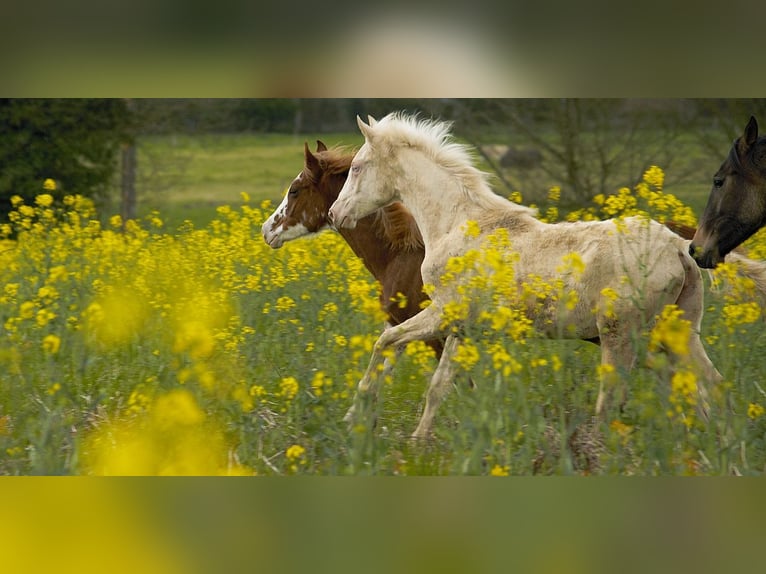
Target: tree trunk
128	195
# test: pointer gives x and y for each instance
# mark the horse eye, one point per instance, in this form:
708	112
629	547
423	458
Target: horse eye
718	182
293	191
356	168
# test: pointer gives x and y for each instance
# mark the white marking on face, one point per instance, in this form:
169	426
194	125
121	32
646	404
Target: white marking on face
277	235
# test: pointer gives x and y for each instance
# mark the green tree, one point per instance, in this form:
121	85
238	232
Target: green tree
74	142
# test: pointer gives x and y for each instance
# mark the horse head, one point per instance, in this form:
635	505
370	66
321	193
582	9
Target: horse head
736	207
304	208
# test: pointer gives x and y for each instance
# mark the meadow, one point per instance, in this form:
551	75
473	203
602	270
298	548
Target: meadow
181	343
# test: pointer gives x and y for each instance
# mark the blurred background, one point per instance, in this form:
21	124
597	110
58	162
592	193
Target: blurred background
186	156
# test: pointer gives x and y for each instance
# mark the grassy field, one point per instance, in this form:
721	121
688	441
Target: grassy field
200	350
186	177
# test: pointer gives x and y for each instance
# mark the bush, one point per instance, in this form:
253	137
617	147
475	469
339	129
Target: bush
73	142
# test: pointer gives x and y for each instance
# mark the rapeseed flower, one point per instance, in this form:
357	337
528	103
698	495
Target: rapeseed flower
51	344
754	411
671	331
499	470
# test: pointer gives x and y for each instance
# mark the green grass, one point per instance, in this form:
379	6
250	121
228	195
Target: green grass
187	177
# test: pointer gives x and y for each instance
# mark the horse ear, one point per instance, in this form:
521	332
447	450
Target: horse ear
372	121
321	146
748	138
751	131
312	163
364	128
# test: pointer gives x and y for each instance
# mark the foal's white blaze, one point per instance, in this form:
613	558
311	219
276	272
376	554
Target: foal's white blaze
276	235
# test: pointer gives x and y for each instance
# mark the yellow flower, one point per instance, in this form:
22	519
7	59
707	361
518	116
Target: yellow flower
740	313
572	263
655	177
610	296
471	229
284	303
467	355
44	199
754	410
51	344
288	387
295	452
49	185
671	331
620	428
320	383
400	299
684	383
498	470
44	316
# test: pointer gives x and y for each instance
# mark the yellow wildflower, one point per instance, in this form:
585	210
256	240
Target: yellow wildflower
471	229
44	200
671	331
498	470
51	344
467	355
284	303
754	410
572	263
288	388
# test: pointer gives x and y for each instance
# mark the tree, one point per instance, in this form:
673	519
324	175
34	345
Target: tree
74	142
587	146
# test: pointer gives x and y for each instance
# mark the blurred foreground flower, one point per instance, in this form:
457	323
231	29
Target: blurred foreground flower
174	437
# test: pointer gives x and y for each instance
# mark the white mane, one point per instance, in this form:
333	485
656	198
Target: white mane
433	138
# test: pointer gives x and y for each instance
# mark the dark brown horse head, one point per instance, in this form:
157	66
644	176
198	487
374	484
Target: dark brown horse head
308	199
736	208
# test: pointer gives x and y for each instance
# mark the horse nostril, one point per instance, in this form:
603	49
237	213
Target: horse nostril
692	249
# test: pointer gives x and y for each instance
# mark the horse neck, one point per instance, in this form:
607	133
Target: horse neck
437	201
367	240
368	243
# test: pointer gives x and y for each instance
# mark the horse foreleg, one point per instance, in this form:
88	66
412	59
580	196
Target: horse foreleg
372	390
423	326
438	388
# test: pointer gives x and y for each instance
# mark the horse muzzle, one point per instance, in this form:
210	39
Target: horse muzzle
339	218
707	259
271	235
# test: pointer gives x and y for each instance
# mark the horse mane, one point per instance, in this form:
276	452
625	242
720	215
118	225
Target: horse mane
434	139
332	161
397	226
392	223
